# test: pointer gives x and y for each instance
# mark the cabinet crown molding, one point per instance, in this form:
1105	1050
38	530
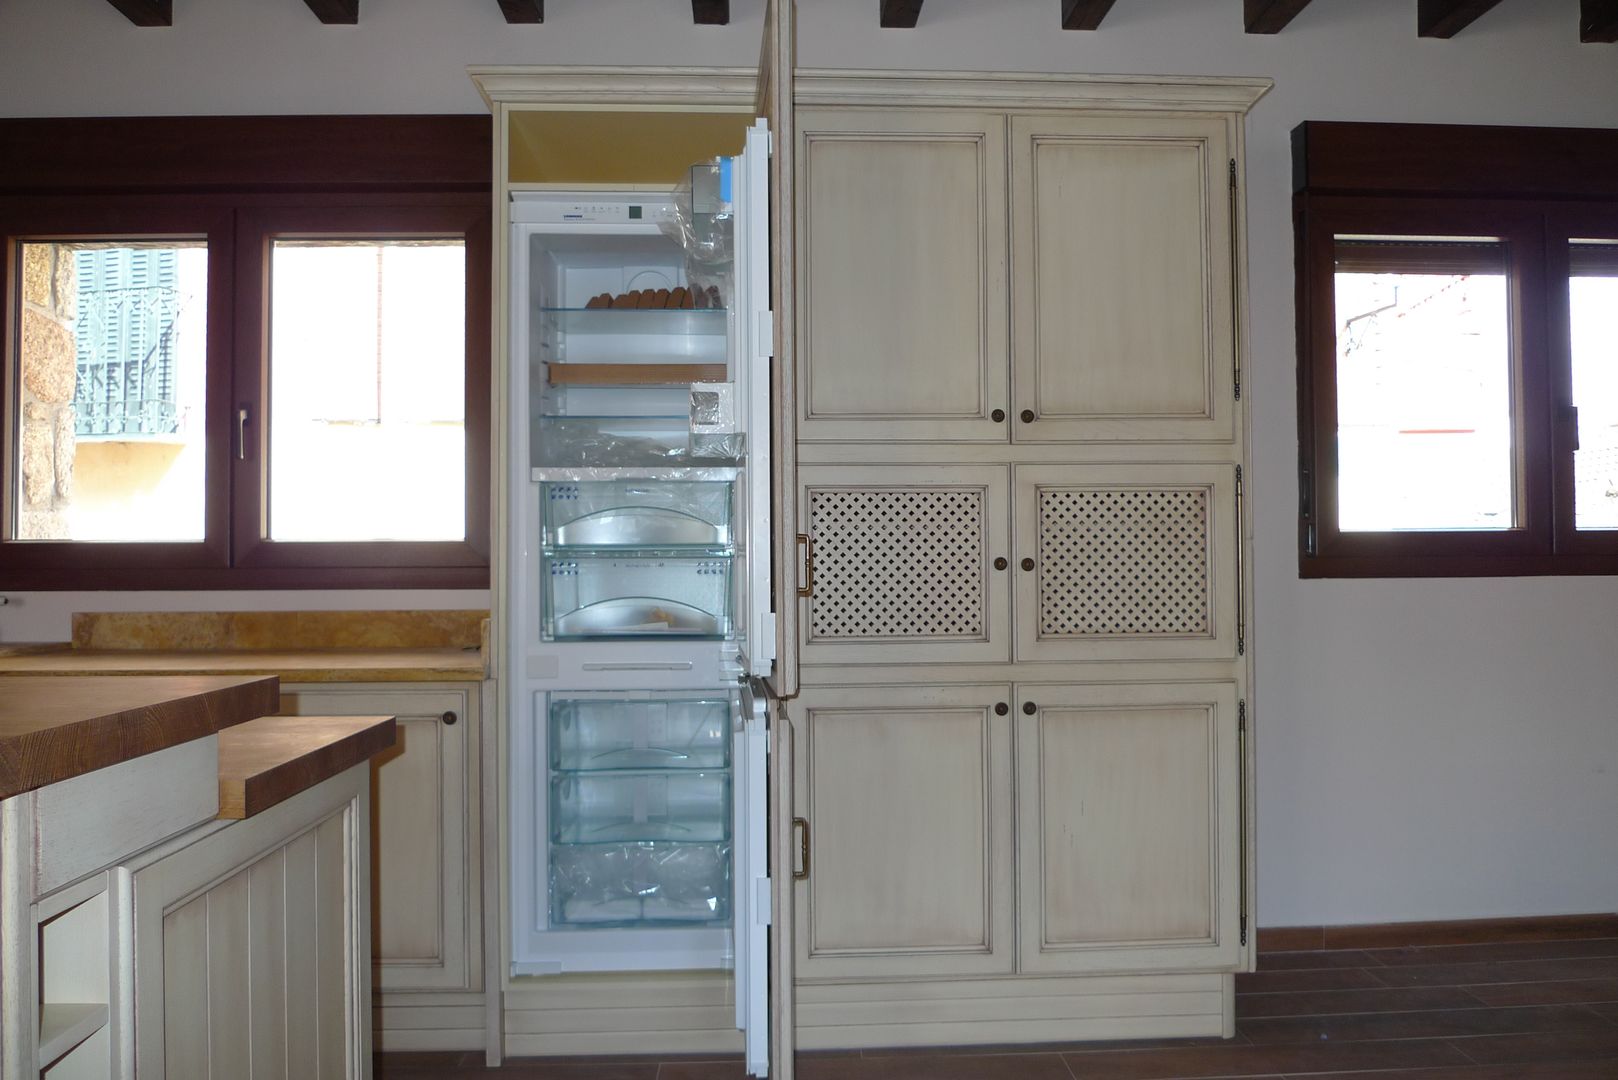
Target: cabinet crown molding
733	88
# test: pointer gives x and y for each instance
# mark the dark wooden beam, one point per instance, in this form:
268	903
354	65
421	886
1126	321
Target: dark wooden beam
336	12
1084	14
710	12
1446	18
1270	16
1598	20
523	11
147	12
901	14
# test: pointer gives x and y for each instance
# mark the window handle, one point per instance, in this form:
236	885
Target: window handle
1570	417
241	433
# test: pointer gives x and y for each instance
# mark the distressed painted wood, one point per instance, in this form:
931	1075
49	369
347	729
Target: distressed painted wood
268	760
1121	279
1127	818
55	729
907	791
904	328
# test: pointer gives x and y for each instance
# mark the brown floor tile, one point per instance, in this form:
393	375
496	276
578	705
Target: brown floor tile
1049	1048
1540	1049
1546	993
702	1070
570	1071
1593	967
1331	1002
1562	1070
1249	1061
1310	961
1607	1009
1270	982
1500	952
1443	1023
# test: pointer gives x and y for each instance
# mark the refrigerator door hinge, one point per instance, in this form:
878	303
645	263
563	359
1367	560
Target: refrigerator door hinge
1233	173
1244	929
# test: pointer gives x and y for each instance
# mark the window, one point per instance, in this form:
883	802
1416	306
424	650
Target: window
1458	351
279	379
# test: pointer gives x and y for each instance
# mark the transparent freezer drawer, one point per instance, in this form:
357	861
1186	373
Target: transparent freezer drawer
634	884
597	808
607	594
637	513
649	733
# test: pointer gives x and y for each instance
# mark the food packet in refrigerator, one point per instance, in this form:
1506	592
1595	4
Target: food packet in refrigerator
714	431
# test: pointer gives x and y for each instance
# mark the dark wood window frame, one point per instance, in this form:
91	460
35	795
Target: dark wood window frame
1531	188
239	182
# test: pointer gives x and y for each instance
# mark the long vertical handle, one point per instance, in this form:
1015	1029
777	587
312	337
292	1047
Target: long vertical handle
801	827
807	542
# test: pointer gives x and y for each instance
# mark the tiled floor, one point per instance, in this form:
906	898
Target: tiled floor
1525	1011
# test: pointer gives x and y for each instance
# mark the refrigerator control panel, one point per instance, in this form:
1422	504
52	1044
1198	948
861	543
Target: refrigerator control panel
609	209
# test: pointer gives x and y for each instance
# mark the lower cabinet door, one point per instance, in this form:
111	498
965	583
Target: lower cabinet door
906	796
249	946
1127	819
425	918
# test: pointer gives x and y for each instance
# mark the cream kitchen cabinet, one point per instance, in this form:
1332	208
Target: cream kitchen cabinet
912	564
1115	321
1128	826
906	792
902	227
427	911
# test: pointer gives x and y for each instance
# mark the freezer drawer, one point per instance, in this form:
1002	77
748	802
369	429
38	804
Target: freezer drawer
600	593
692	807
636	513
673	732
601	885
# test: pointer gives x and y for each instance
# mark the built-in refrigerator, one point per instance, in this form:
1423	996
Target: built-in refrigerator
639	584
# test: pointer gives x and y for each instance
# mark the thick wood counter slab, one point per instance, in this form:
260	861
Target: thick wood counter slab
292	665
56	729
273	758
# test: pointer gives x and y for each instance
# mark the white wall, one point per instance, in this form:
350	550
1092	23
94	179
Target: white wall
1427	750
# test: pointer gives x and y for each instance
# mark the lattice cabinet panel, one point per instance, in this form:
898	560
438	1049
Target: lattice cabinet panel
900	563
1126	562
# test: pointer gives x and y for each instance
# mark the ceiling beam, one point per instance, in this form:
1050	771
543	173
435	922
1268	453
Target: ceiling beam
1446	18
147	12
336	12
1270	16
523	11
710	12
1084	14
900	14
1598	20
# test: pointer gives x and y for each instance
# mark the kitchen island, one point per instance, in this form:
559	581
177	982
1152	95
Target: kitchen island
143	931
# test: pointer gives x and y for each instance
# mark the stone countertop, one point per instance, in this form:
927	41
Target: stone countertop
55	729
291	665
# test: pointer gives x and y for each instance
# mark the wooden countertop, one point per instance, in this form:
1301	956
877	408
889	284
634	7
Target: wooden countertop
56	729
292	665
273	758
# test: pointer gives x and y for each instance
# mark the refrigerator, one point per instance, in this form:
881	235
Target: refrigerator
642	623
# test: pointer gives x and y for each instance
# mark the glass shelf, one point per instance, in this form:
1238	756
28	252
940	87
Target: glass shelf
664	322
670	805
595	734
639	884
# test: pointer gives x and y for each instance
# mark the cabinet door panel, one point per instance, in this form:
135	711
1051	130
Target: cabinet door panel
1122	279
903	269
1127	814
908	795
1126	562
903	564
423	853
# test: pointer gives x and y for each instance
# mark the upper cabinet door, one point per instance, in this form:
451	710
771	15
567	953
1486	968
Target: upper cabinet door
902	221
1122	297
778	59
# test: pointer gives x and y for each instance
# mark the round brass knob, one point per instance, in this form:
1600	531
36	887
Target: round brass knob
998	416
1030	708
1028	564
1001	709
1027	416
449	718
1000	563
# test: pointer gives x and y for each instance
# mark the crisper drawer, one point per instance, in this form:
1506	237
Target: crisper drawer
607	594
596	808
589	733
638	884
637	513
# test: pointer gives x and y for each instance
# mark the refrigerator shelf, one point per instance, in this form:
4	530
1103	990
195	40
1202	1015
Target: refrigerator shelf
602	734
660	322
630	373
637	513
639	884
672	805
